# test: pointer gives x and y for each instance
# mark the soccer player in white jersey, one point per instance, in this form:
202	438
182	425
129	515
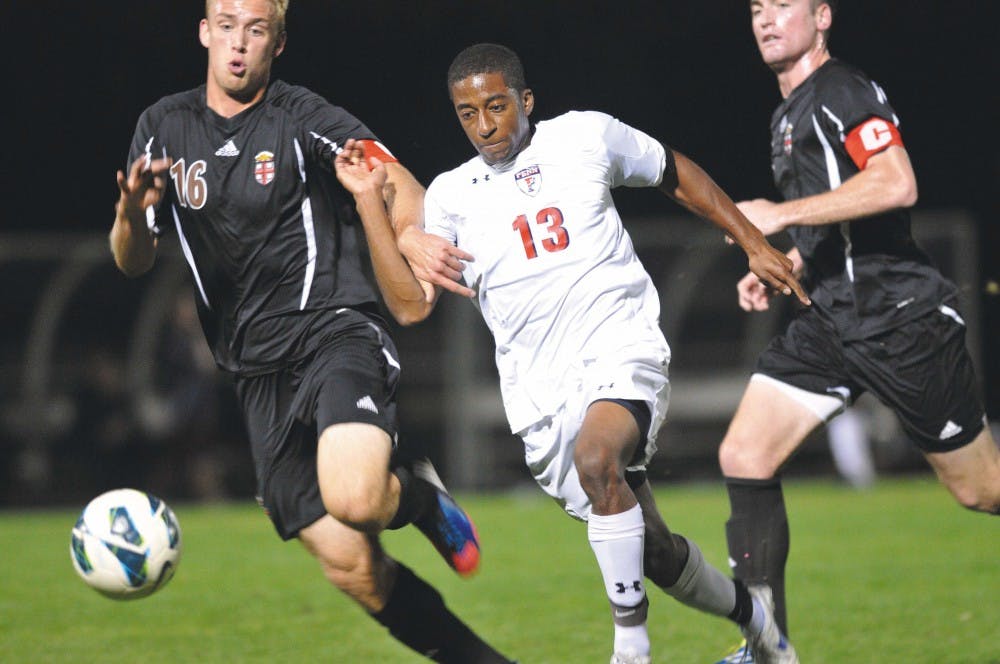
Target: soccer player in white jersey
582	360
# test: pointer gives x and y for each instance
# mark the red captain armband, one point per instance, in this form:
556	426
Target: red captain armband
374	149
869	138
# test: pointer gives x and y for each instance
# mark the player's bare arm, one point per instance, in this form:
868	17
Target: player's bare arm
368	181
132	243
886	183
697	192
404	197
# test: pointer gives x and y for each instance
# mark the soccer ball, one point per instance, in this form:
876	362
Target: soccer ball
126	544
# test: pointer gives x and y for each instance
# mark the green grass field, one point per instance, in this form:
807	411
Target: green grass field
895	574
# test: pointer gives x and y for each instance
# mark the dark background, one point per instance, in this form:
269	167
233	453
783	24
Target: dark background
79	73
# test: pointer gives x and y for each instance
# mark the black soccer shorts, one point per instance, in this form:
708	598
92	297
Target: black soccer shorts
921	370
351	378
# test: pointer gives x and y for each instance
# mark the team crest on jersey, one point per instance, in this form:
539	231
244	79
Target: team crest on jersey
787	131
529	180
263	167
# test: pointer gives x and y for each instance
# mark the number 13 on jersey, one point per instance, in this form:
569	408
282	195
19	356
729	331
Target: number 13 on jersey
552	219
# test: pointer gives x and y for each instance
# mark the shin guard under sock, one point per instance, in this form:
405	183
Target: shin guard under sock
758	539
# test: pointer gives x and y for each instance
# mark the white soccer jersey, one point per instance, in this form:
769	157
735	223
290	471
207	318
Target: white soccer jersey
558	280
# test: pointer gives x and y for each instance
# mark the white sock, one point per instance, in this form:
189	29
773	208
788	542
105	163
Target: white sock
851	449
617	541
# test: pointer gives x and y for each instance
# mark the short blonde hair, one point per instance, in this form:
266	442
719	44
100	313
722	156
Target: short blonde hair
279	7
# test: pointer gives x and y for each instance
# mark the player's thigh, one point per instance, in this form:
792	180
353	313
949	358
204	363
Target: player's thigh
351	560
352	462
972	472
624	395
770	423
351	387
799	382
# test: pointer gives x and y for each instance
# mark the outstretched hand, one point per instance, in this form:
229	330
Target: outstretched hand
435	260
359	175
143	186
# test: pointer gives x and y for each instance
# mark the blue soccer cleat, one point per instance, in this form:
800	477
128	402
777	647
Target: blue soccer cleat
447	526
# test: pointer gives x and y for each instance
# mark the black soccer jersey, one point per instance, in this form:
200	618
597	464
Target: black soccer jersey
866	276
269	233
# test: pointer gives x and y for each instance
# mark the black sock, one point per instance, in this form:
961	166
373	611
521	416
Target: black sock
743	611
415	495
757	534
416	616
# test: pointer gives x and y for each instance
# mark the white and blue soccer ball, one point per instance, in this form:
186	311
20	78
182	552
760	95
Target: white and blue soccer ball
126	544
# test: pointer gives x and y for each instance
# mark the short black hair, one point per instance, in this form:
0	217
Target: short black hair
488	58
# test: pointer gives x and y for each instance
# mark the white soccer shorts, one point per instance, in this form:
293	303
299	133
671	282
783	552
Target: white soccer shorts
634	373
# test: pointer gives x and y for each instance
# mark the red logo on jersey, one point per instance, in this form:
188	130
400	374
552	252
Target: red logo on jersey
263	167
529	180
788	139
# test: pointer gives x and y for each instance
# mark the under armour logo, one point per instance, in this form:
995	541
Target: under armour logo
620	587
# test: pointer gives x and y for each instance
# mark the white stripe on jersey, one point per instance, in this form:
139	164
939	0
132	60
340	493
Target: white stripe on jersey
883	99
307	223
832	171
833	176
150	211
836	121
189	256
333	146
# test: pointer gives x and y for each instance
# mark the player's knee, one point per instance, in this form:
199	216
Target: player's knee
359	510
739	456
598	471
980	498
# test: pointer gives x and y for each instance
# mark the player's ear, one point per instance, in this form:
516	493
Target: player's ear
824	17
528	100
279	44
203	35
